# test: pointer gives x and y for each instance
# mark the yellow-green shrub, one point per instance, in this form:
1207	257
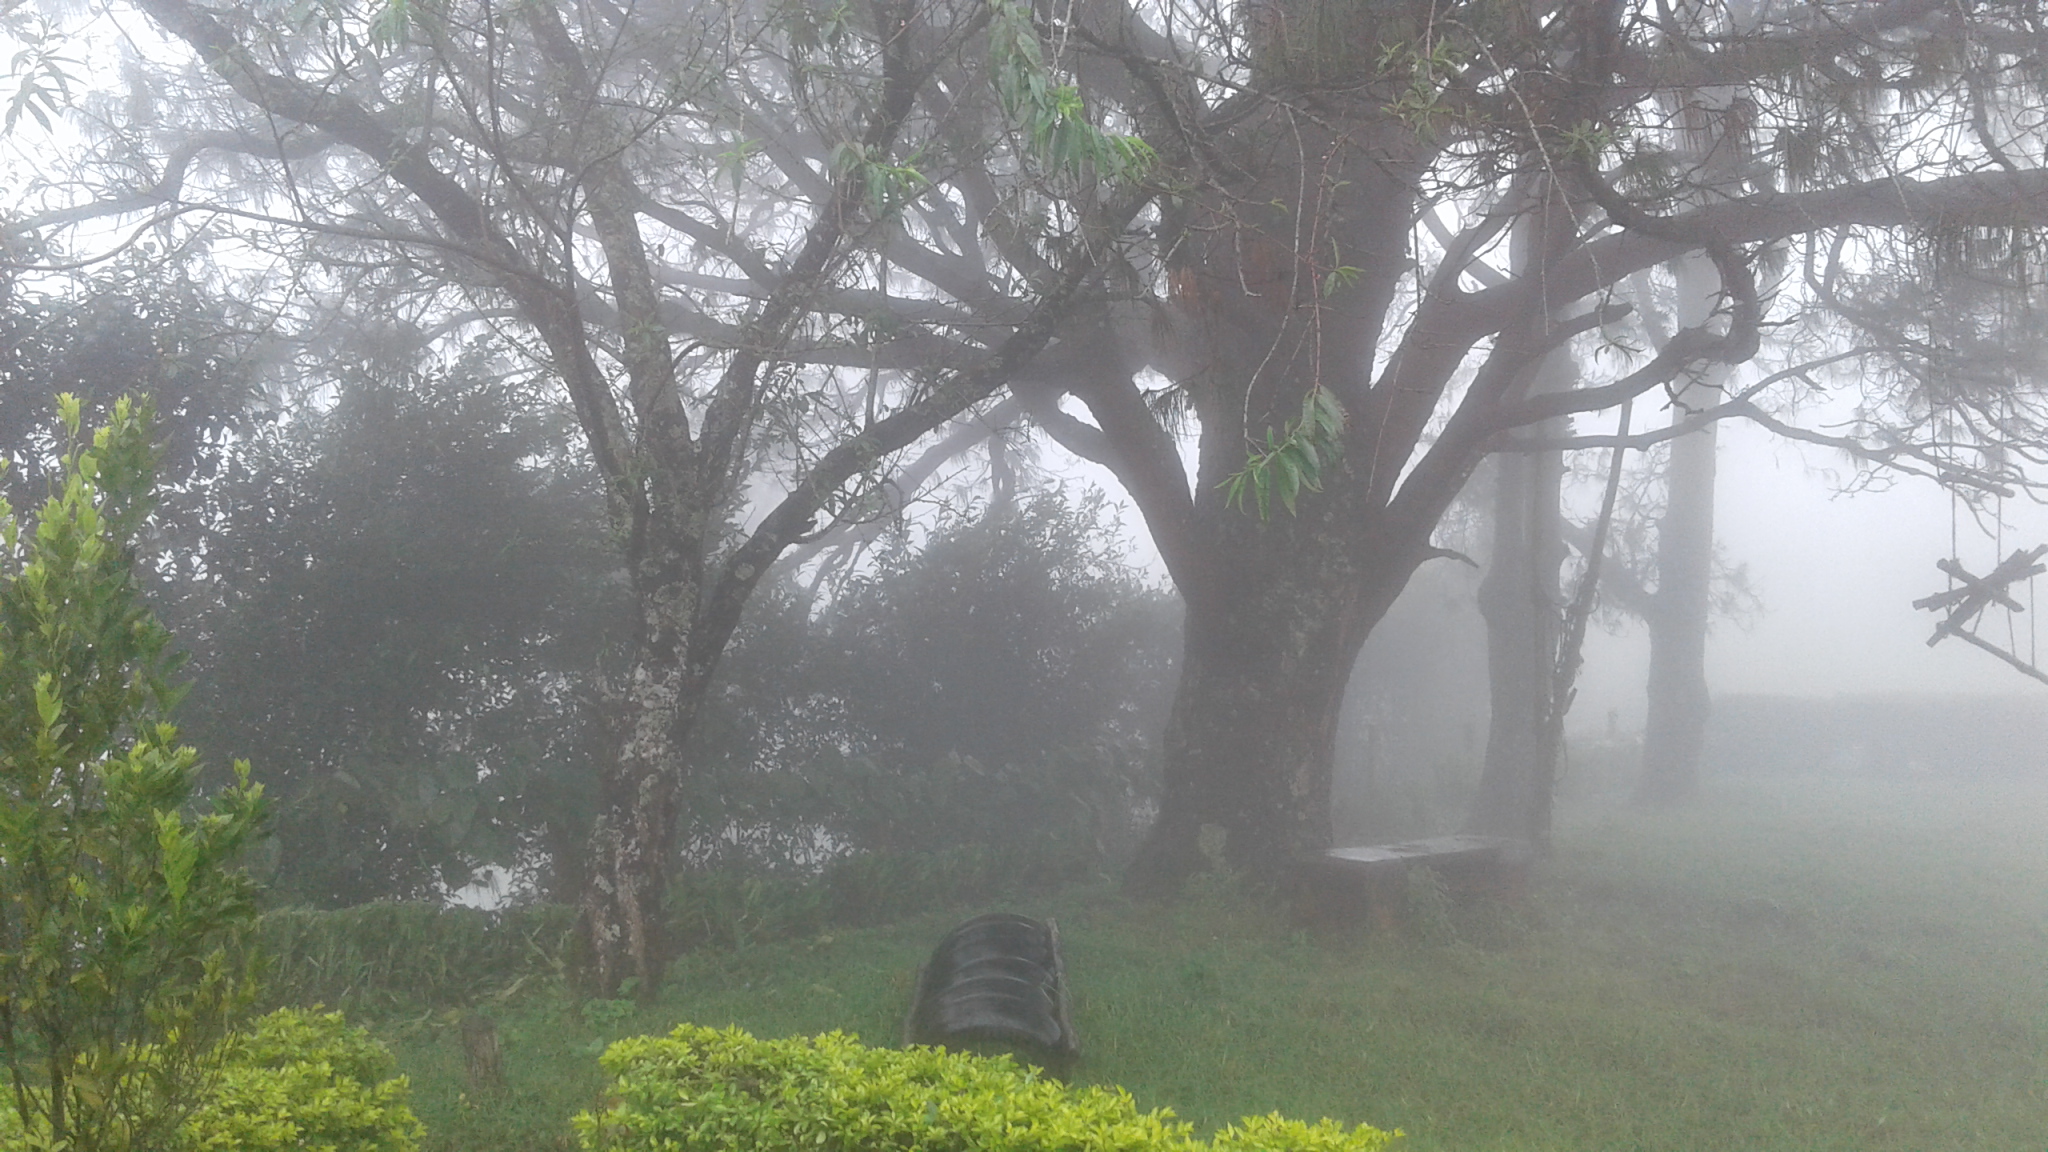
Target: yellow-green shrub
305	1080
704	1090
298	1081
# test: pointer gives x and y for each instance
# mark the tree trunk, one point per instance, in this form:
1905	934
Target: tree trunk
1675	727
631	847
633	840
1679	703
1250	744
1519	601
1709	137
632	843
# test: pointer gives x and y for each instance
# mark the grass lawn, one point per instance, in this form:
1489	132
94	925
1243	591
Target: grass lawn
1809	964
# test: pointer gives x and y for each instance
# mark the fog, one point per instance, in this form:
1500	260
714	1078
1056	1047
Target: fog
1836	573
650	517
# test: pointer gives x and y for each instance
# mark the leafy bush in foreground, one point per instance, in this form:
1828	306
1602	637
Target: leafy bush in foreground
305	1080
700	1089
295	1082
122	911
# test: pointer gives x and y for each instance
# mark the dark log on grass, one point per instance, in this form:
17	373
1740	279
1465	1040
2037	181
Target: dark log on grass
997	984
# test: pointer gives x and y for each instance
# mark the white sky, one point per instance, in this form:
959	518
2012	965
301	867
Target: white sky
1837	575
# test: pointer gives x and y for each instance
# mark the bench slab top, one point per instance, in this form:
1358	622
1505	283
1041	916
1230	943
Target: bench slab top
1432	848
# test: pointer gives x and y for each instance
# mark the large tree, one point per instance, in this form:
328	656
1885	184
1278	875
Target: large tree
694	216
1324	300
1360	170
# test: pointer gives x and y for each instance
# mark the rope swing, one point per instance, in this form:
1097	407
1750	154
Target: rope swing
1969	595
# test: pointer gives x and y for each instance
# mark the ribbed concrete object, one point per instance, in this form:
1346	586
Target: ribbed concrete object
997	984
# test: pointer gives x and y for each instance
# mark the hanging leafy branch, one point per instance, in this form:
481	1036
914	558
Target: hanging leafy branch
1292	459
42	75
1052	116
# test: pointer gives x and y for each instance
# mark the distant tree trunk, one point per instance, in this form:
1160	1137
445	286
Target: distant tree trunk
1519	601
1679	702
1678	697
1711	137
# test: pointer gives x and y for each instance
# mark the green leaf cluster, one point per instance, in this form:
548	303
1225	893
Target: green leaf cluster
294	1081
304	1080
42	75
121	912
1291	459
1422	72
700	1089
1052	116
886	187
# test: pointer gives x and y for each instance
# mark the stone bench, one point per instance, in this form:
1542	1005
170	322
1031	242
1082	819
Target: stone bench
1370	883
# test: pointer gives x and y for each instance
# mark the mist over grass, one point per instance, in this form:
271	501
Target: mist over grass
1814	963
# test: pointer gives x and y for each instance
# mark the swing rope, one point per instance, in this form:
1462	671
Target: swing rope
1969	596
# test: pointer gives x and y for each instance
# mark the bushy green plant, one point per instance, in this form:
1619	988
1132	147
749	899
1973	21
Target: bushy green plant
994	683
304	1081
704	1089
120	911
299	1081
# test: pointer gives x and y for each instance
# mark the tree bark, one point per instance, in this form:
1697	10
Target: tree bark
1251	739
632	843
1679	701
1519	601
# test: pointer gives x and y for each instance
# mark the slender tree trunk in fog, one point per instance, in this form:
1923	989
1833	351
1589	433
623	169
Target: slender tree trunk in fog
1679	702
1519	601
1712	139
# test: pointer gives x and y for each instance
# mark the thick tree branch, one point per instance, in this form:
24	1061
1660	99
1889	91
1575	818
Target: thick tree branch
1988	199
730	411
794	516
1146	460
549	307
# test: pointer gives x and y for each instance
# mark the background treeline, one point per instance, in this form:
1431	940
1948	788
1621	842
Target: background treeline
394	579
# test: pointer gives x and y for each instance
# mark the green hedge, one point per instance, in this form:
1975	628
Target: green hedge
703	1090
293	1082
377	955
390	954
729	907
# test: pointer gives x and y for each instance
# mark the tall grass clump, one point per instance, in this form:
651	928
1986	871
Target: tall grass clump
392	954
